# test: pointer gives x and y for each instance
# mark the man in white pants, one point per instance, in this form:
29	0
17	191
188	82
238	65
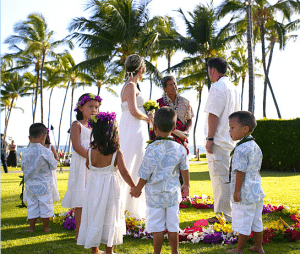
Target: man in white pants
223	99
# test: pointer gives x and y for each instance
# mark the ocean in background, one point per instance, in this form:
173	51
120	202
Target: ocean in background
65	150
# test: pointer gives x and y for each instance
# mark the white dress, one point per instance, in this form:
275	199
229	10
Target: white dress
102	219
133	138
78	174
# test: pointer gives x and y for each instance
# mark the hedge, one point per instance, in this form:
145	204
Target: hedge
279	141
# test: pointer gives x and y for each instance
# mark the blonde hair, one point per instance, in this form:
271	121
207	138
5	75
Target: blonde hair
133	64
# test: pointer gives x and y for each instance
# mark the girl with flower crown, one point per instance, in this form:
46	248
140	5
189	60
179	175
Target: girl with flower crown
87	106
134	130
103	218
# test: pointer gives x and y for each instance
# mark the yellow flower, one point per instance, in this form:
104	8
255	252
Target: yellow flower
92	96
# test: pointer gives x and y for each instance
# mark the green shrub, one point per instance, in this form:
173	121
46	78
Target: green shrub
279	142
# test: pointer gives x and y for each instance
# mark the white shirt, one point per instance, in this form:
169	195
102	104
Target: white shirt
223	99
37	163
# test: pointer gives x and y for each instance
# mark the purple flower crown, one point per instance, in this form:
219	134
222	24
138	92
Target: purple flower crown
101	117
87	98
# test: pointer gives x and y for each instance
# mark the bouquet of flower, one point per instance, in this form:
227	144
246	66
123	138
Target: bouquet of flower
150	107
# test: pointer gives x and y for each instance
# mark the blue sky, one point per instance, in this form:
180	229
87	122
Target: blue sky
284	73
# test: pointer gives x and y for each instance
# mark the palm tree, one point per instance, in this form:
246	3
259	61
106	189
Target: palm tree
14	87
71	77
203	39
114	29
38	41
276	32
263	11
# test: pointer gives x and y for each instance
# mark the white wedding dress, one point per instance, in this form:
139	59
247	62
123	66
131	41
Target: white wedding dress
133	138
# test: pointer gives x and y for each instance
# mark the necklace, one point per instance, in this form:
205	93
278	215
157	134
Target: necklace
167	103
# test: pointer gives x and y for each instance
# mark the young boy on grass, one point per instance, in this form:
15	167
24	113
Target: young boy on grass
160	173
245	182
37	163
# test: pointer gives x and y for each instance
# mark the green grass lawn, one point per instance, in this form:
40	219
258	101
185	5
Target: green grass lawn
280	188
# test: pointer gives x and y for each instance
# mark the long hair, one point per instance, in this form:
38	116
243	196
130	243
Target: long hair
106	136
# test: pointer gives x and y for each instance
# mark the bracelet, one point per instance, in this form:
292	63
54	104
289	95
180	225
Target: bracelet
209	139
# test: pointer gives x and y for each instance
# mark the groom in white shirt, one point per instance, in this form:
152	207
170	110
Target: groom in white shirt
223	99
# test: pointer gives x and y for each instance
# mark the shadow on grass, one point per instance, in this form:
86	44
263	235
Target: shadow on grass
199	176
278	174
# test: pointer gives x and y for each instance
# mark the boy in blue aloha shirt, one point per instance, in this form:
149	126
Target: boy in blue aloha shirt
37	163
160	173
245	185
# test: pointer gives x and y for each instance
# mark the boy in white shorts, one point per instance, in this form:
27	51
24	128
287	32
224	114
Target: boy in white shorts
160	173
245	182
37	163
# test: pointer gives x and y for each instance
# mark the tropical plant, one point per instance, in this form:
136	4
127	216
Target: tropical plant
38	41
114	30
11	89
204	38
71	77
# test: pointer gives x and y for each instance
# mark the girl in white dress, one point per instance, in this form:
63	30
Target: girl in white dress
134	130
103	219
87	106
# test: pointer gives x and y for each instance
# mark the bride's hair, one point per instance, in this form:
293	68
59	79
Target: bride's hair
106	140
133	64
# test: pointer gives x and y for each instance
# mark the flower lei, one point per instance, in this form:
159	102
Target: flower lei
219	233
103	116
87	98
167	103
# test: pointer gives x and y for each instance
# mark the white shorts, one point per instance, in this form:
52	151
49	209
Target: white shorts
160	219
247	217
39	206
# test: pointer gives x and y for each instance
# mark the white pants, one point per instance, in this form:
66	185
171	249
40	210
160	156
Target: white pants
39	206
247	217
160	219
218	165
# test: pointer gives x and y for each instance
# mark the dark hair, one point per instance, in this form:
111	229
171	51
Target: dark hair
37	129
79	115
245	118
47	140
105	140
165	119
166	79
219	64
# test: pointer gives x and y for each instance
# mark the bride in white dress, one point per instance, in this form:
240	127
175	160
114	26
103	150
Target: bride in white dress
133	131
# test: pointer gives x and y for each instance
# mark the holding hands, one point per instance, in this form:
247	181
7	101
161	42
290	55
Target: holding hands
135	192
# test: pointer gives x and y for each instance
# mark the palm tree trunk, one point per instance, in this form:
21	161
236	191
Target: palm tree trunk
49	107
71	113
242	94
61	115
36	93
169	62
8	117
251	105
41	81
267	80
196	121
208	79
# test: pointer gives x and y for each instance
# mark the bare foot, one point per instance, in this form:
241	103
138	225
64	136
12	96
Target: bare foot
234	251
253	248
30	230
47	229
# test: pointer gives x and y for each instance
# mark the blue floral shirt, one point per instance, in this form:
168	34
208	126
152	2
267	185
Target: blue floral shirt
37	163
247	158
160	168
